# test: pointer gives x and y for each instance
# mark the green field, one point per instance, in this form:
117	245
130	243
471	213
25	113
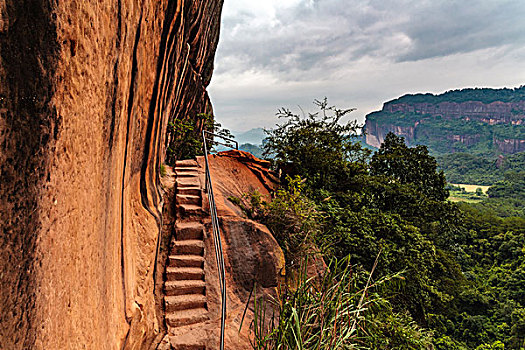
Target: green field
472	188
467	193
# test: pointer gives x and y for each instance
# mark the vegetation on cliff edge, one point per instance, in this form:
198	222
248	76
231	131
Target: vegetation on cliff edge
484	95
446	130
463	266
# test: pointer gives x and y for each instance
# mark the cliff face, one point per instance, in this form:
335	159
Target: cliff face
510	145
376	133
492	113
86	93
449	126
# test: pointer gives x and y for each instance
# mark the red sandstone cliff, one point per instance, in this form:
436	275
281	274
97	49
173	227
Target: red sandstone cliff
86	92
375	134
510	145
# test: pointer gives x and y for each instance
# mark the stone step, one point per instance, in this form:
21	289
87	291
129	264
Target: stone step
187	317
178	346
186	174
186	163
188	199
184	302
185	287
186	261
192	169
189	190
190	210
184	273
188	181
188	246
189	230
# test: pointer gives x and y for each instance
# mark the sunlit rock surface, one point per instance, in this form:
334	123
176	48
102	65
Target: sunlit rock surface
86	92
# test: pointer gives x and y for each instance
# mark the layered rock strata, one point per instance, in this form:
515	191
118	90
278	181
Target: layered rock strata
492	113
86	92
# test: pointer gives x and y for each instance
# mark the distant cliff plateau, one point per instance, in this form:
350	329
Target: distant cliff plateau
479	121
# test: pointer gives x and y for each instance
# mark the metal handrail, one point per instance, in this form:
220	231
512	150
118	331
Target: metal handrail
204	132
216	228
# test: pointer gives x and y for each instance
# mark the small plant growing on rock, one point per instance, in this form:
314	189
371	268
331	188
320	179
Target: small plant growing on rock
292	218
186	136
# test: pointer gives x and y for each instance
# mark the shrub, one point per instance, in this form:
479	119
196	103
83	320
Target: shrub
317	147
185	136
292	218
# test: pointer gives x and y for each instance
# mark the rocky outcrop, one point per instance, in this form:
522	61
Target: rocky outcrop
252	256
467	140
375	134
236	174
510	146
86	93
257	166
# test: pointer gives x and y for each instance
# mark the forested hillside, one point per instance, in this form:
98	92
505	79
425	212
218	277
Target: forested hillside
484	122
484	95
472	169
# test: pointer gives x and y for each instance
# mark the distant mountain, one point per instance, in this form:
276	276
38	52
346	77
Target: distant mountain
249	141
256	150
478	121
253	136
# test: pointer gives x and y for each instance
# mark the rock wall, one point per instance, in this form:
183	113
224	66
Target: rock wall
493	113
510	146
86	93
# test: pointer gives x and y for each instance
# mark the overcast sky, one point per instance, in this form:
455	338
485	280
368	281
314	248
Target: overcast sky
359	53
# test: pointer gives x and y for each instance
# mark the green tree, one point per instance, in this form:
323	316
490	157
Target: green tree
318	147
186	135
409	166
463	265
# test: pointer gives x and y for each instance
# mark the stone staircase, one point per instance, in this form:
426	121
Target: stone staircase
185	285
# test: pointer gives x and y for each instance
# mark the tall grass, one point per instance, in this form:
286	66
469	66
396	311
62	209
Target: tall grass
319	313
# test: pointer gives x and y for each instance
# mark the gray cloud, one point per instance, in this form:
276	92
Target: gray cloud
319	35
360	53
459	27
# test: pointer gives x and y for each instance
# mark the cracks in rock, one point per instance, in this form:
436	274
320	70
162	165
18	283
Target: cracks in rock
131	96
122	198
171	23
155	109
134	68
115	76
